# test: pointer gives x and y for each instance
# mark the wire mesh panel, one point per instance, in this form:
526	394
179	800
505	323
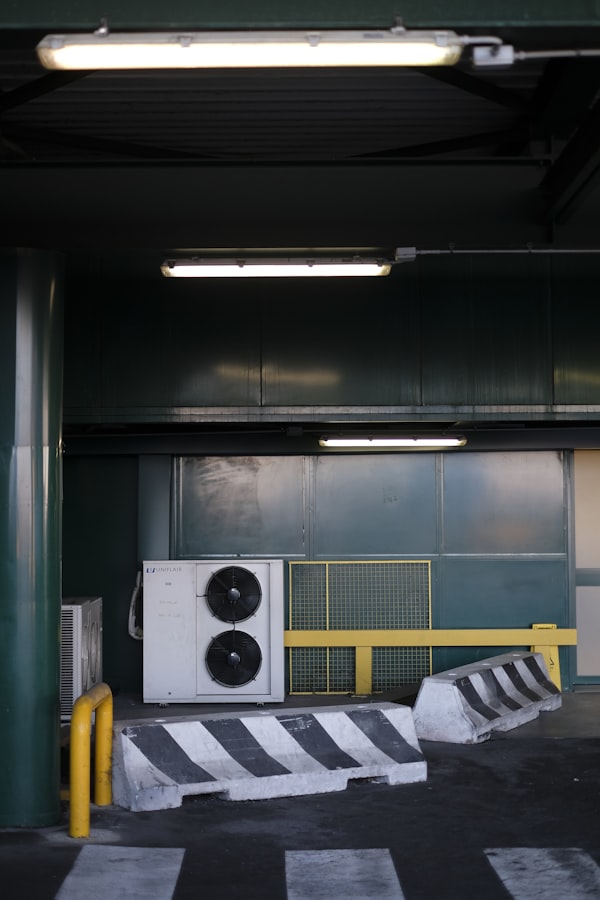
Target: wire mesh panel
378	595
308	595
342	670
361	595
322	670
394	666
308	670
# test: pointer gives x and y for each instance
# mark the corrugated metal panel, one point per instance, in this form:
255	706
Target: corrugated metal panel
160	343
486	332
576	330
444	330
346	343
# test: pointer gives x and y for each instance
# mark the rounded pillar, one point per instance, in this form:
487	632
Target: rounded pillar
31	366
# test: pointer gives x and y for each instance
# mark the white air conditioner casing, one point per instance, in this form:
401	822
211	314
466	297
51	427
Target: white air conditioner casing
81	649
203	644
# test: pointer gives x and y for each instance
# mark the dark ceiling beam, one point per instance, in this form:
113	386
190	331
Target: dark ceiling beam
497	139
370	203
53	81
166	439
575	171
565	93
65	15
101	146
477	86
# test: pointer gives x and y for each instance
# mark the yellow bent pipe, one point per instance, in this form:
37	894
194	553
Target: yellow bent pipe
99	698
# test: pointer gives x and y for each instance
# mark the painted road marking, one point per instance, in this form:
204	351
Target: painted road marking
348	874
129	873
534	874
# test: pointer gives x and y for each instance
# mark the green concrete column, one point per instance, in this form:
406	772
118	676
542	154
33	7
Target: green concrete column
31	364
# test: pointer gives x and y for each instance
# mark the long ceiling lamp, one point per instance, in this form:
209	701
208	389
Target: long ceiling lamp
397	46
277	267
430	442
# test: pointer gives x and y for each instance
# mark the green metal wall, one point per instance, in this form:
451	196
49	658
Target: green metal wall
575	329
100	553
486	330
447	331
504	333
495	526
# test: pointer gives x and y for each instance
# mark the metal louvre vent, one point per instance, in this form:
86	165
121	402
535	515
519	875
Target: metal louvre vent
70	654
81	649
358	596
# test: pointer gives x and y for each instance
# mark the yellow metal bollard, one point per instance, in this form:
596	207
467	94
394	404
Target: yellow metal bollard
550	654
364	670
99	698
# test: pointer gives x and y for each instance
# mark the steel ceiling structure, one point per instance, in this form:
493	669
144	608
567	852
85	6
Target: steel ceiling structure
446	156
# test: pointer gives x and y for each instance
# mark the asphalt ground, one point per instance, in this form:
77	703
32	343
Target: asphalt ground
529	799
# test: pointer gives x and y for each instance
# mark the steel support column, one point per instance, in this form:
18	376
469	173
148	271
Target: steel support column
31	363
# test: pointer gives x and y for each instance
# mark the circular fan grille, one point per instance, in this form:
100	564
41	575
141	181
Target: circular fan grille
233	658
233	594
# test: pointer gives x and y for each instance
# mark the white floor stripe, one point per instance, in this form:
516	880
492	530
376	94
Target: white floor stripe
536	874
129	873
341	875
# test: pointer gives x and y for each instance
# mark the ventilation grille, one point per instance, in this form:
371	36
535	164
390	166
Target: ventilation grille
70	655
81	649
357	596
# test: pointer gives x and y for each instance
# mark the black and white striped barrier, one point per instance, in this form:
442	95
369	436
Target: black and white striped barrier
465	705
263	754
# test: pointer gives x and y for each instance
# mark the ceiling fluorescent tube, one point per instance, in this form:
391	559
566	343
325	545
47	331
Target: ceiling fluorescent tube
408	443
249	49
273	268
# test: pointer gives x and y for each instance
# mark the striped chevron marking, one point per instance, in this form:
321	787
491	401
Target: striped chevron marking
348	874
465	705
129	873
505	686
535	874
213	750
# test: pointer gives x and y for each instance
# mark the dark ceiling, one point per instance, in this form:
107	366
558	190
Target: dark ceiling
497	156
288	116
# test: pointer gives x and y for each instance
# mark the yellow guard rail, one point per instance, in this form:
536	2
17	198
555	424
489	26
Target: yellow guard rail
538	637
99	698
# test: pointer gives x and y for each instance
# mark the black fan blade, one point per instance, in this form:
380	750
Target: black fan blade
233	658
233	594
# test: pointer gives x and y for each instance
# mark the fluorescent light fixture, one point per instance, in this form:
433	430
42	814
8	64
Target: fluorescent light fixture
258	267
250	49
407	443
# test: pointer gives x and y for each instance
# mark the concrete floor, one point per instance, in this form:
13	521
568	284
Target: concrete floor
578	717
527	799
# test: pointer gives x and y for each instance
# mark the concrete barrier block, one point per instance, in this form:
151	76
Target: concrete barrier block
262	754
465	705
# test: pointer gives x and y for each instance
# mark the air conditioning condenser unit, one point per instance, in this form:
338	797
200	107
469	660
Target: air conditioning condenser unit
81	649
